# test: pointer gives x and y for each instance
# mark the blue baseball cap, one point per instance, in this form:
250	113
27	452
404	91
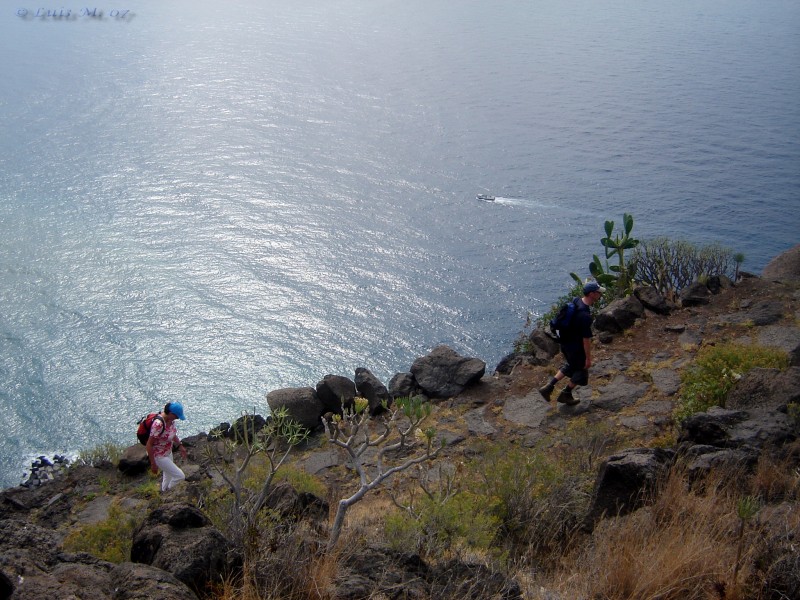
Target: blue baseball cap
176	408
593	286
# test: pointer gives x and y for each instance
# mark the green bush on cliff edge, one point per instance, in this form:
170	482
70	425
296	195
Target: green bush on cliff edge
716	370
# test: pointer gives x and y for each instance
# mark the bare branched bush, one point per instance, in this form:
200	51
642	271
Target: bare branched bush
233	458
671	265
398	433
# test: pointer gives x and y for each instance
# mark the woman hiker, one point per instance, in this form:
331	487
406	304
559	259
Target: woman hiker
163	436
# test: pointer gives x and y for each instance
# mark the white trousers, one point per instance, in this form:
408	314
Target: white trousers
172	473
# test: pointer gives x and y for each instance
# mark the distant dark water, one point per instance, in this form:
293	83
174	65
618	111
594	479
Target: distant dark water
206	201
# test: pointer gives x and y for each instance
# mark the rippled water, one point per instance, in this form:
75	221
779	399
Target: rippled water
204	201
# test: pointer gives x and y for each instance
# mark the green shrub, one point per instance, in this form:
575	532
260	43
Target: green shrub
671	265
301	481
103	453
716	370
439	525
108	540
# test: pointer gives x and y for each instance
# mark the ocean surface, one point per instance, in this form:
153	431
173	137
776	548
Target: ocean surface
208	200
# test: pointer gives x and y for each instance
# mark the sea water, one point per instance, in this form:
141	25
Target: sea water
203	201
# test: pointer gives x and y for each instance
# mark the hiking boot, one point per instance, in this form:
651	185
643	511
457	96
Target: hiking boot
566	397
546	391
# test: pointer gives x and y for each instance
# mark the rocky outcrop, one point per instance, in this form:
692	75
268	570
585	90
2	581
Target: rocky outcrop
765	389
620	315
371	388
134	460
403	385
380	573
336	392
652	300
33	567
695	294
179	539
784	267
302	405
444	373
538	348
626	481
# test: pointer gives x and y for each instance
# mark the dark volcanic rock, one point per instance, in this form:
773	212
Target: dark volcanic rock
444	373
302	404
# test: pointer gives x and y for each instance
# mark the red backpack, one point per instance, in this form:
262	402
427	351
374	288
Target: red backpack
145	423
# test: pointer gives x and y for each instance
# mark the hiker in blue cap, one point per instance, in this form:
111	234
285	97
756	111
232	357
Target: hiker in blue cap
576	346
163	437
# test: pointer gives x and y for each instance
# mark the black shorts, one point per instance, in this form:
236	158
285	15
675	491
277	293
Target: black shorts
575	367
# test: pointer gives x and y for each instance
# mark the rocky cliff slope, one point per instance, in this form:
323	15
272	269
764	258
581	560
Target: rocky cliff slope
634	386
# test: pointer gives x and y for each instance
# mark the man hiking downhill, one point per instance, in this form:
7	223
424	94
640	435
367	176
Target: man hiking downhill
576	345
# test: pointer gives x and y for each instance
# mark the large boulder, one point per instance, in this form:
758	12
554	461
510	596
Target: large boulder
782	337
302	404
626	480
142	582
444	373
620	315
134	460
537	349
784	267
652	300
765	388
725	428
34	567
180	539
695	294
246	427
336	392
403	385
371	388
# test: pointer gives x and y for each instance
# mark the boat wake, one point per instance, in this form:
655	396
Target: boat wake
524	202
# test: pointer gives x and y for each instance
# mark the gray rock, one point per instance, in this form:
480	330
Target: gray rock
710	427
652	300
322	459
246	427
371	388
707	459
724	428
77	576
690	337
302	404
180	539
444	373
477	423
529	411
635	422
403	385
134	460
784	267
765	388
696	294
625	479
667	381
619	393
620	315
786	338
142	582
765	312
336	392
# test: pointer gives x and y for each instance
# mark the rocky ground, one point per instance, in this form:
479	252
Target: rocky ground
633	387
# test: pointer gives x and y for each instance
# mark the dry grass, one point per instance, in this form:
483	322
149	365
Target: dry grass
683	547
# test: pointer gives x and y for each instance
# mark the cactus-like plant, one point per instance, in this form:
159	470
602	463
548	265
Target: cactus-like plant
618	245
